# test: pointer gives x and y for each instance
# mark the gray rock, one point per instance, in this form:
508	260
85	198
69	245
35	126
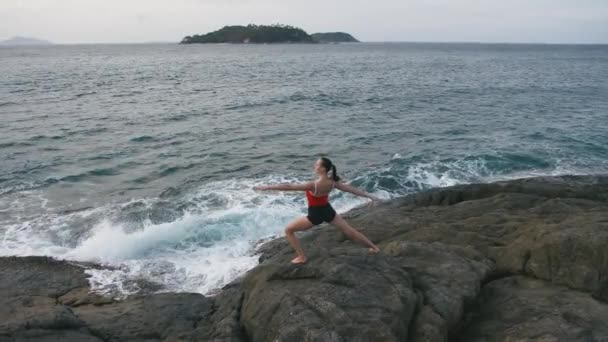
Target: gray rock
153	317
340	297
525	309
42	299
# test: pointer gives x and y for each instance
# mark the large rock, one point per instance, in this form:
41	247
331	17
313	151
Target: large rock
339	296
42	299
524	309
450	242
520	260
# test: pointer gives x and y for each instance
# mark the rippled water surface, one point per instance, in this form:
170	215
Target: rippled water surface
142	157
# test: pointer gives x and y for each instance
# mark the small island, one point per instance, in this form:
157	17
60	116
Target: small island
24	41
266	34
252	34
334	37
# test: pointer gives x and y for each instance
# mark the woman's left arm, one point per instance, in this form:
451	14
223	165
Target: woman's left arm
287	187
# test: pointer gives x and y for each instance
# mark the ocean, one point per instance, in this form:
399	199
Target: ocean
142	158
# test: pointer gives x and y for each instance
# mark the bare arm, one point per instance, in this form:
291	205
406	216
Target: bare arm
351	189
287	187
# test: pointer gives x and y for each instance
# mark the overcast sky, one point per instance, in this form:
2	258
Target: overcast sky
88	21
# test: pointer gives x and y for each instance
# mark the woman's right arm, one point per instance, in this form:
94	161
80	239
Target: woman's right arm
351	189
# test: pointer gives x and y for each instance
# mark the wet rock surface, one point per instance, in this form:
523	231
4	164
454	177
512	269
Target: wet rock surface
521	260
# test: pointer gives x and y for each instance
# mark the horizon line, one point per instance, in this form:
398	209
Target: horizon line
360	42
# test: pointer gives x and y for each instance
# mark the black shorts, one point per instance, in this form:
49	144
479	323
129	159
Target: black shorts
318	215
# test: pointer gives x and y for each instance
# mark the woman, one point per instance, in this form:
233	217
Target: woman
319	209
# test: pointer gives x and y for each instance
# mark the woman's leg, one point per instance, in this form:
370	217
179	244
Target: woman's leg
352	233
299	224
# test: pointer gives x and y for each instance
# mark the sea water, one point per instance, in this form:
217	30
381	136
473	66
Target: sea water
142	158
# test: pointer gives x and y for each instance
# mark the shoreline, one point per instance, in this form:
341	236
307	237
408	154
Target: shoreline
476	262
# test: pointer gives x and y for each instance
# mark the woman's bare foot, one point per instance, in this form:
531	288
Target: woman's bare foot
299	260
374	250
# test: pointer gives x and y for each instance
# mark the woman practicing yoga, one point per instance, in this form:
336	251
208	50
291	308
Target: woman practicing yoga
319	209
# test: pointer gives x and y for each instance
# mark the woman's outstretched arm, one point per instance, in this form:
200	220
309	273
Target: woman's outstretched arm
287	187
349	188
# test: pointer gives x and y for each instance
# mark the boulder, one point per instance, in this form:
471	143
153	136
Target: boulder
521	308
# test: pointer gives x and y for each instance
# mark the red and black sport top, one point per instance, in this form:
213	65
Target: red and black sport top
317	201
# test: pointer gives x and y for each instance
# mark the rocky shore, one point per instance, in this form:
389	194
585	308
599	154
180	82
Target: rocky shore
521	260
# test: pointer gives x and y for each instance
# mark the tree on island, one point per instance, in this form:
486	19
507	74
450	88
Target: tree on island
252	34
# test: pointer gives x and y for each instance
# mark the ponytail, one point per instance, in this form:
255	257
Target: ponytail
334	173
330	167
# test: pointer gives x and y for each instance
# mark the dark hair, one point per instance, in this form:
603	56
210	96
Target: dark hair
329	166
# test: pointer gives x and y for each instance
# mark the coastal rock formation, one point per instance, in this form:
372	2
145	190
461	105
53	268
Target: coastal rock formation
518	260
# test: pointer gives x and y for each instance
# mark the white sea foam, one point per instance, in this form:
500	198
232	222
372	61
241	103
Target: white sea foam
214	241
202	250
